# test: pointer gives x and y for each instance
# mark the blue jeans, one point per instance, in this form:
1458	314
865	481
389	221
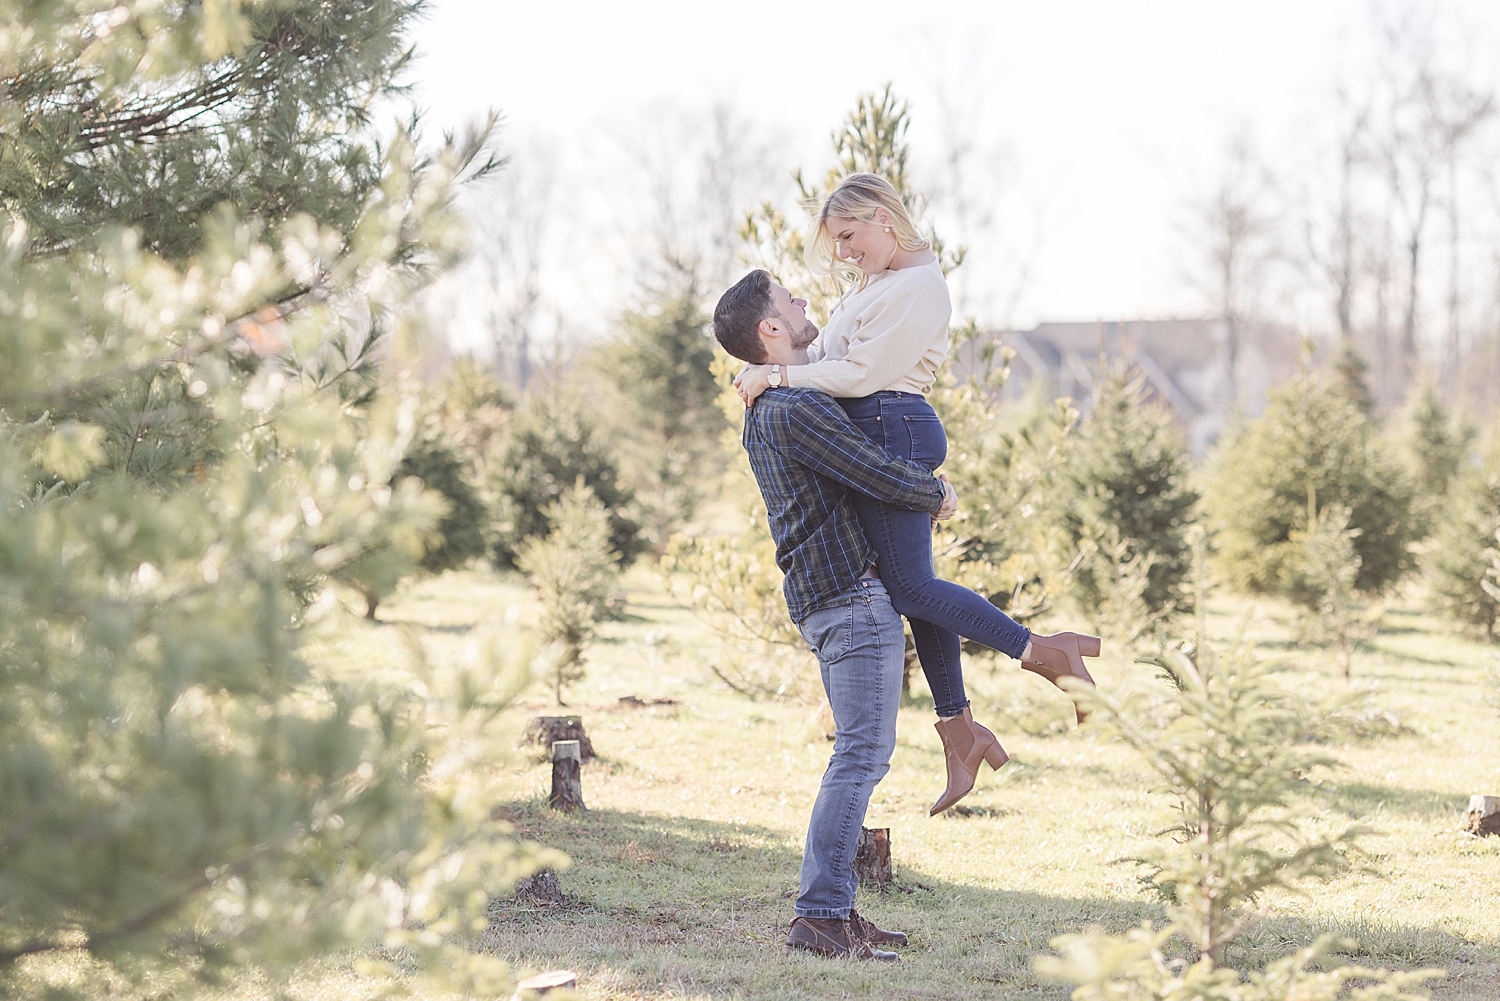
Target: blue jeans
860	648
939	611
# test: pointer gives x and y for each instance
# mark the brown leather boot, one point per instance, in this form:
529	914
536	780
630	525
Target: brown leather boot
965	744
866	929
1061	656
832	937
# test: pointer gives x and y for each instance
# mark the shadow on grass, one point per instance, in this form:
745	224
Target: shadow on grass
700	908
1361	799
450	629
1376	647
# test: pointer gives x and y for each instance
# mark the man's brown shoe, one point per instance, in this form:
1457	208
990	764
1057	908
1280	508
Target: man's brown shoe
831	937
864	928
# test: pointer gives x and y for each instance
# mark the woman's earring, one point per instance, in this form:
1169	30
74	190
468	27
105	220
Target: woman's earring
888	229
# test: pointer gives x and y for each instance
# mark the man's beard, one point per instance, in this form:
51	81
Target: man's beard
806	335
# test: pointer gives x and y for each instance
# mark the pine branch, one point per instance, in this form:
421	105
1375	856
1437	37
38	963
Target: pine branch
58	396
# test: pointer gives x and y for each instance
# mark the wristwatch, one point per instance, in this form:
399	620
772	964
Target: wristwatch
775	377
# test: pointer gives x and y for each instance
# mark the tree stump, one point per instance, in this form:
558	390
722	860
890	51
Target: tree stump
1484	815
567	776
544	983
541	889
548	730
872	859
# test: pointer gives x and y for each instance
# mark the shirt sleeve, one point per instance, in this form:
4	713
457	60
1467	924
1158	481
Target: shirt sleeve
895	331
821	437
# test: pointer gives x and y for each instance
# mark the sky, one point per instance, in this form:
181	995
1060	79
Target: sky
1091	125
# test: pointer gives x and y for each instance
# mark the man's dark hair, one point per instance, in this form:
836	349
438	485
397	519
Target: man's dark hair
738	314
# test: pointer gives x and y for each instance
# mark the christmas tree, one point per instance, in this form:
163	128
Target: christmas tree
203	249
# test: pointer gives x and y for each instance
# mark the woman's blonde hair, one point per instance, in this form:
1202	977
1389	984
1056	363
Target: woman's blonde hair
858	197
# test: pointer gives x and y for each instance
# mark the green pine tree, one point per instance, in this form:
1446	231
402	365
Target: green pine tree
461	535
1351	372
551	443
662	366
194	443
1130	504
157	115
1435	442
1005	542
1461	559
1231	755
1312	448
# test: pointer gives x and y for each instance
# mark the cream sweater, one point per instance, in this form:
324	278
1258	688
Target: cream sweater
891	334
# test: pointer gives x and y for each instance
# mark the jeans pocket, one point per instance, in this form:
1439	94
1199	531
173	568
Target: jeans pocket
874	429
830	631
927	443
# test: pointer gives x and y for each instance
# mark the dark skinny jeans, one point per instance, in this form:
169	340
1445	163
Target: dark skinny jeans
939	611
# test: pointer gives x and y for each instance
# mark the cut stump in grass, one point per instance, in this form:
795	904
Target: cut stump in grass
567	776
1484	815
872	859
636	702
543	983
540	889
548	730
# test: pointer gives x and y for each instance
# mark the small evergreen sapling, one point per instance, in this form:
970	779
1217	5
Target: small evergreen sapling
1230	750
573	569
1326	578
1461	562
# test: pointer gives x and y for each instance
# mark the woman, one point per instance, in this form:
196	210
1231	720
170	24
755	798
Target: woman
878	356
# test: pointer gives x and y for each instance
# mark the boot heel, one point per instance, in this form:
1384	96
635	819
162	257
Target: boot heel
1089	646
995	757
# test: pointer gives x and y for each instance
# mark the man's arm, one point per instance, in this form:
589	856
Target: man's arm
820	436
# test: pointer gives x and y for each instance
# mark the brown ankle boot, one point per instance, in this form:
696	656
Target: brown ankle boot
1061	656
965	744
832	937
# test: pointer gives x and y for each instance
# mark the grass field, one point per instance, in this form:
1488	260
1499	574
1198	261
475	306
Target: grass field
683	865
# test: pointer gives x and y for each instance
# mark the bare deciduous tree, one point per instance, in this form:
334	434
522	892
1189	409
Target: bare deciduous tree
1333	249
692	176
511	221
1234	230
1433	112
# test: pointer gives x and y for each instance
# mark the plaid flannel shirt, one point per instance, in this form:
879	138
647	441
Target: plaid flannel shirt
807	455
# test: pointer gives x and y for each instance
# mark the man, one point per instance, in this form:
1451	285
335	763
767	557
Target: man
807	457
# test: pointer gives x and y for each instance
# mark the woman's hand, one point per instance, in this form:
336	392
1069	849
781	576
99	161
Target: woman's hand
950	502
752	381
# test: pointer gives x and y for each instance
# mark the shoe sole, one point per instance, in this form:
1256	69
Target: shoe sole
789	949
